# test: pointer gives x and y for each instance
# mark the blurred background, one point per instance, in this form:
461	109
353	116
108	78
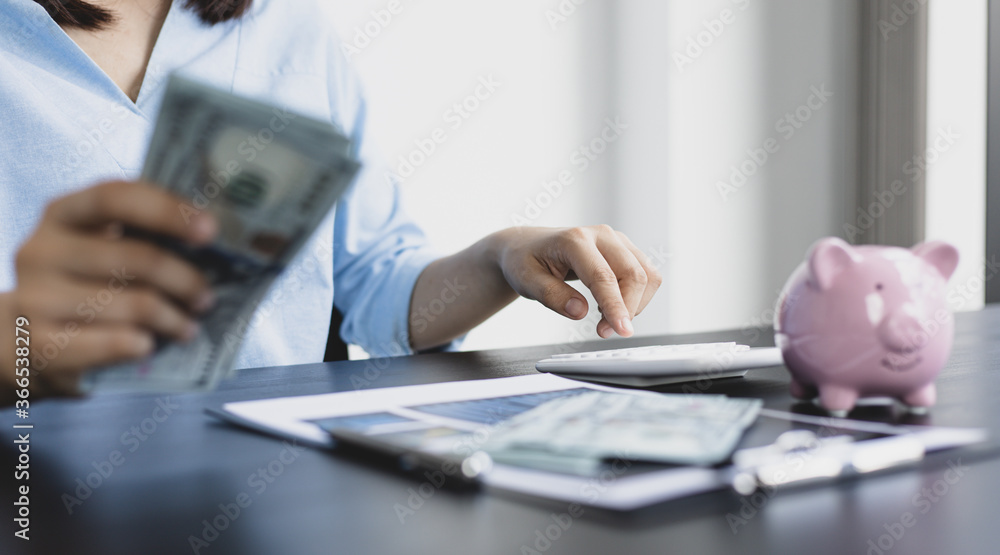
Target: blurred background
723	136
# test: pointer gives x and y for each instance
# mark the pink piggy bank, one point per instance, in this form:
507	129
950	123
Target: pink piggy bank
861	321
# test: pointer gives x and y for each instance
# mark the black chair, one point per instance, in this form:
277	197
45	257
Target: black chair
336	349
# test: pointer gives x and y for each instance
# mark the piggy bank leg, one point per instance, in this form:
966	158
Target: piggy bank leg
800	391
837	399
920	400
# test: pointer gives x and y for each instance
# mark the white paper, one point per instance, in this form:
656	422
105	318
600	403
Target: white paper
290	415
618	490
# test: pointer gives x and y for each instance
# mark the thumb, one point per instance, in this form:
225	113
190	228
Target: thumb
557	295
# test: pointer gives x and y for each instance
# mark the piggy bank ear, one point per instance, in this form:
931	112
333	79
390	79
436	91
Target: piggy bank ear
827	258
939	254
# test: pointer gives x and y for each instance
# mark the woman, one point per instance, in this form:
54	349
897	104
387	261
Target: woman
81	84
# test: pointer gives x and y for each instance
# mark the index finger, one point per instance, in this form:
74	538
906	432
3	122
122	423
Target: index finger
135	204
593	270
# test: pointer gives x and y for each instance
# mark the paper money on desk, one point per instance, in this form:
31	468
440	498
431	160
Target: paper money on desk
270	177
591	427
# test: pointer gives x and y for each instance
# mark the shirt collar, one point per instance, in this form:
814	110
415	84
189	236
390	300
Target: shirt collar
27	31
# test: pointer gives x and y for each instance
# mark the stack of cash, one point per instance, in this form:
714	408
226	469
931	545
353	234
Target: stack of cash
269	177
579	433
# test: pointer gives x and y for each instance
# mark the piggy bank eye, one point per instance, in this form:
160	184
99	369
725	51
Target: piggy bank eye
878	286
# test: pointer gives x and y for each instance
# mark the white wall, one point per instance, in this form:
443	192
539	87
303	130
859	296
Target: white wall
552	99
721	76
689	124
956	168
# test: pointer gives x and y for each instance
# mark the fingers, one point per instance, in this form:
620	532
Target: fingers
621	277
127	262
590	265
555	293
100	296
638	278
94	304
135	204
90	347
630	273
653	276
653	281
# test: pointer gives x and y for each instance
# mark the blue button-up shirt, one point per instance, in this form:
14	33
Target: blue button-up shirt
65	125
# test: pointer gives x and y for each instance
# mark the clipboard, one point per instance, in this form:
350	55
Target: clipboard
782	449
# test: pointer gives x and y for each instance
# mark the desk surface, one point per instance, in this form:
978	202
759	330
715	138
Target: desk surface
173	475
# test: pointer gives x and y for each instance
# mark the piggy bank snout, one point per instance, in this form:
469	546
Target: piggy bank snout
902	332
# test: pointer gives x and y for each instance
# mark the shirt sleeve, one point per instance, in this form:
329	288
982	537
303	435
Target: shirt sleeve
378	250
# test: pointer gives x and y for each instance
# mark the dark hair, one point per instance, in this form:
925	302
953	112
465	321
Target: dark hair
84	15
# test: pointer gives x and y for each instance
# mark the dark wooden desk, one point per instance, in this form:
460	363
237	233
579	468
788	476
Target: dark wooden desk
172	478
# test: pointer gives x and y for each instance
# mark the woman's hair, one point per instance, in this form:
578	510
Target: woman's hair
83	15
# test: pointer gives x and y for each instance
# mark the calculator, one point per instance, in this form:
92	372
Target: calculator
662	364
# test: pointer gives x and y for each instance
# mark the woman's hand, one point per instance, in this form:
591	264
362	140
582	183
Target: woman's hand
536	262
94	297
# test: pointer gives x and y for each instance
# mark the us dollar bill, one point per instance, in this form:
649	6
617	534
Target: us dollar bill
269	177
597	425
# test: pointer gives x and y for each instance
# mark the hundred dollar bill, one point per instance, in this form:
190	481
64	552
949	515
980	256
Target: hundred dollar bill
269	177
595	426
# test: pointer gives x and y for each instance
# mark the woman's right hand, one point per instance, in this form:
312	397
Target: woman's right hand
94	297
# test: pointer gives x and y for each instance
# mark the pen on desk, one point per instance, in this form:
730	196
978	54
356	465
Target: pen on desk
799	457
440	469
